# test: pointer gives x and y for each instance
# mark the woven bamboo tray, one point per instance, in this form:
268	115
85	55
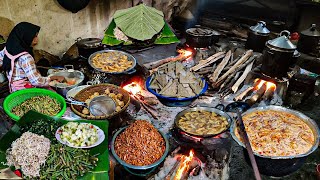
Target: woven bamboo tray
84	94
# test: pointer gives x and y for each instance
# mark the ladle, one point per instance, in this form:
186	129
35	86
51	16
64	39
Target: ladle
240	107
98	106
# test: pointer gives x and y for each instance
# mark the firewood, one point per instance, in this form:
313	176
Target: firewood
208	61
243	94
234	67
235	87
220	67
155	64
227	84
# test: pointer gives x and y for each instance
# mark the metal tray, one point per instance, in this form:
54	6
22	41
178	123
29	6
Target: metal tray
130	57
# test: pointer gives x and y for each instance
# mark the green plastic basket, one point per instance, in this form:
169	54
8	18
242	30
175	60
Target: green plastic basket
20	96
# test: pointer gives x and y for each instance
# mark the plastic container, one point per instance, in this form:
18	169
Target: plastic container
20	96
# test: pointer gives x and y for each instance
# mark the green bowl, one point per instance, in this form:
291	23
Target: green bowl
20	96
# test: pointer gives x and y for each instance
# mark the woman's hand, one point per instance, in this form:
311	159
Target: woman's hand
57	78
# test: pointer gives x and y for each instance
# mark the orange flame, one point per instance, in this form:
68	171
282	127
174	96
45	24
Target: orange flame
271	85
133	88
184	166
260	84
185	53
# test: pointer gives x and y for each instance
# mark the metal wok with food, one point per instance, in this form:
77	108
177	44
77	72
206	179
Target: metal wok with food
113	62
202	121
278	155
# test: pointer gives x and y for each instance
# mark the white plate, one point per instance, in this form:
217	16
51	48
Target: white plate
101	138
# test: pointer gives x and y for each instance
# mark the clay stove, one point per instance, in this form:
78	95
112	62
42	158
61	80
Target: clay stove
196	157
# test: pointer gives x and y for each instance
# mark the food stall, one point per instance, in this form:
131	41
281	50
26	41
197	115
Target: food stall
143	103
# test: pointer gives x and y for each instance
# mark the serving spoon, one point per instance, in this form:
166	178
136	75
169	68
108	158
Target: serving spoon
98	106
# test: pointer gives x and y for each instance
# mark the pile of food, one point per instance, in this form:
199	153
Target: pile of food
203	123
42	104
112	61
140	144
28	153
277	133
173	80
117	97
78	134
67	163
66	83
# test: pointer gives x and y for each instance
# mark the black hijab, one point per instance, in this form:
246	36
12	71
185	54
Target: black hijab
19	40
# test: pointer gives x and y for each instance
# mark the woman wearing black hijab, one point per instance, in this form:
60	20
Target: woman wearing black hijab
17	59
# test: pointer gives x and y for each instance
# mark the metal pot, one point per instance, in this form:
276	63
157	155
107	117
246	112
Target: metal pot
201	37
215	110
257	37
277	56
63	90
280	165
131	70
309	41
88	46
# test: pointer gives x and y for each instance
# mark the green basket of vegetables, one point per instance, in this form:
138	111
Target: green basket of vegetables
41	100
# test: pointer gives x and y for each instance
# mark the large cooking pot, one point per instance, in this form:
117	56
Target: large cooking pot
88	46
277	56
215	110
201	37
280	165
309	42
257	37
71	73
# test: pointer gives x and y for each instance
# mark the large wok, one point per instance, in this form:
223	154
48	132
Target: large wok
130	70
215	110
280	165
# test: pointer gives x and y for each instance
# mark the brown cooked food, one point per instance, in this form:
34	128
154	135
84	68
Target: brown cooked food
203	123
140	144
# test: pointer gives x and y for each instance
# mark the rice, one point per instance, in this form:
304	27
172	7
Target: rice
28	153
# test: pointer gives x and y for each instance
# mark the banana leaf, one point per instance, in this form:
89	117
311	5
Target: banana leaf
140	22
111	41
166	31
166	40
102	168
109	38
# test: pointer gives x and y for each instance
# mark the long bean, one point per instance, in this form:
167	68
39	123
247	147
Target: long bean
67	163
42	104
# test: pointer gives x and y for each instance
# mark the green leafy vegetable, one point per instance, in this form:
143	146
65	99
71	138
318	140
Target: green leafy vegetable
140	22
43	127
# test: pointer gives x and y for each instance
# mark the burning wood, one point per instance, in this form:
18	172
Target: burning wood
134	90
242	95
271	87
184	166
260	89
184	54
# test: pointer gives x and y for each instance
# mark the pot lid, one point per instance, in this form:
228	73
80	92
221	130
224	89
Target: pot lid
88	42
260	27
312	31
282	41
